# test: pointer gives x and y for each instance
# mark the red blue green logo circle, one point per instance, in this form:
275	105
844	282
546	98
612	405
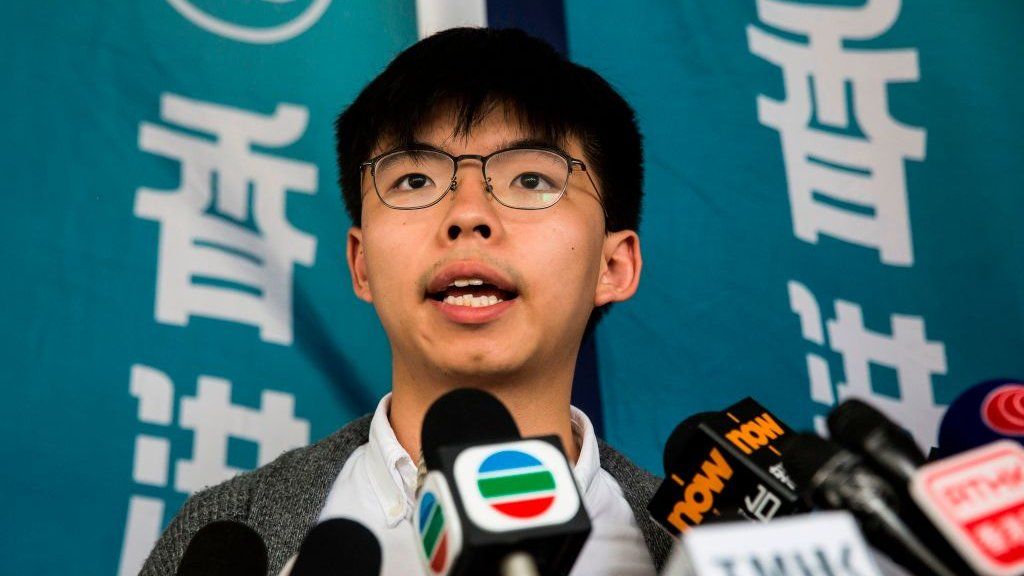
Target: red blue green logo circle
516	484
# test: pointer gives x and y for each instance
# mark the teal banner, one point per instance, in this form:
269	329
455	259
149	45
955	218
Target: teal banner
177	306
833	207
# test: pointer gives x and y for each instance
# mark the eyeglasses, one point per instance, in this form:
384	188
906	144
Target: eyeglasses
520	178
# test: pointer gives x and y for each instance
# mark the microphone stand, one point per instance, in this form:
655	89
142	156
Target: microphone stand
519	564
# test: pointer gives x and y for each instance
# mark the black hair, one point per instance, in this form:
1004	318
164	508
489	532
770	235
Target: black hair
470	72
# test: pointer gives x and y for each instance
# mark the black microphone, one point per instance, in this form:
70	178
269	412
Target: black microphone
725	466
492	502
892	452
338	546
866	431
224	548
836	479
464	416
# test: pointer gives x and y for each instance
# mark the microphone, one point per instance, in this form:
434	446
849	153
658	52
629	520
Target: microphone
723	466
976	499
464	416
224	548
337	546
493	503
986	412
835	478
892	452
821	543
866	431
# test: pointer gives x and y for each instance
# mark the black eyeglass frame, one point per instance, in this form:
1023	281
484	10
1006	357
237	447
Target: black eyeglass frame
569	160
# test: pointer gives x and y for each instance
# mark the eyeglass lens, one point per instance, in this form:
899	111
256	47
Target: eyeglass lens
521	178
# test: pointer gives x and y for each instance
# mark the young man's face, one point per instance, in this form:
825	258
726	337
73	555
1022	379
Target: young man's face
551	265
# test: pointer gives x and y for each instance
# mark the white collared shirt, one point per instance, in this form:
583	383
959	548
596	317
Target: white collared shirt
377	487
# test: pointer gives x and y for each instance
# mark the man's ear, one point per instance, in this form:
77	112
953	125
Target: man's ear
620	268
357	264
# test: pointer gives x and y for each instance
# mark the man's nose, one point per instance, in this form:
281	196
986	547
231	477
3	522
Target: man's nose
472	209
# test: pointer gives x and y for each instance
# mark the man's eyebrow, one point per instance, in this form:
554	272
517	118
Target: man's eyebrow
417	145
518	143
530	143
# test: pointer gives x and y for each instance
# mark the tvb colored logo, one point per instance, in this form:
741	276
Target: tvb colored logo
436	521
433	535
516	485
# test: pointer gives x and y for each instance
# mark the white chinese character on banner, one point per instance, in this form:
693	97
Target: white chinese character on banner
226	248
844	153
907	351
214	420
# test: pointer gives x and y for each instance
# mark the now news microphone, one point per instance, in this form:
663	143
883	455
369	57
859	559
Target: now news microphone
493	503
986	412
336	546
722	466
836	479
224	548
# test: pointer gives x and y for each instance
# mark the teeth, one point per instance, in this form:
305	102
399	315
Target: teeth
463	282
472	301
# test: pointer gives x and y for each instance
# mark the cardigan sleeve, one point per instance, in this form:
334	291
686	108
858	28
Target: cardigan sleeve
227	501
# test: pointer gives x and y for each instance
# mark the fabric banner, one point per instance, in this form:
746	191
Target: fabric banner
834	197
177	306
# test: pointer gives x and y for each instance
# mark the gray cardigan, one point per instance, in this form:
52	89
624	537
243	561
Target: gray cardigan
283	499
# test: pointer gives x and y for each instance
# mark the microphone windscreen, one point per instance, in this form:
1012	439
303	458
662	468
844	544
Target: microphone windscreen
680	442
862	428
338	546
224	548
854	417
465	416
805	455
984	413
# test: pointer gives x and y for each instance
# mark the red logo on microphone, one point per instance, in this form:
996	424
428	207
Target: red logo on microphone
1003	410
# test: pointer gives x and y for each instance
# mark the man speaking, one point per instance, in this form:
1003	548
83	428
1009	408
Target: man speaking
495	190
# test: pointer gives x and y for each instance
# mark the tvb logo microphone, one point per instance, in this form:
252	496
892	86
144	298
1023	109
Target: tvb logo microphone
516	485
437	524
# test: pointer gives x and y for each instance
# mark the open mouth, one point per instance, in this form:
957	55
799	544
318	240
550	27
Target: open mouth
472	292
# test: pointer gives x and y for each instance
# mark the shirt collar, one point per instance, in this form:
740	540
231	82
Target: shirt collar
393	472
589	461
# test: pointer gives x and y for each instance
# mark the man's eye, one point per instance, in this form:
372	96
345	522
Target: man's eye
532	181
414	182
